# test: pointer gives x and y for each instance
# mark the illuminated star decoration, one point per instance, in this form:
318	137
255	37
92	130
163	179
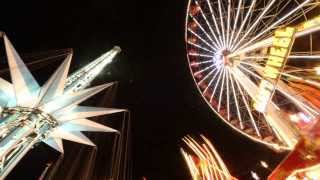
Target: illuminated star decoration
52	100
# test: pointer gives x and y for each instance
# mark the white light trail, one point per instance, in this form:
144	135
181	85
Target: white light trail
203	160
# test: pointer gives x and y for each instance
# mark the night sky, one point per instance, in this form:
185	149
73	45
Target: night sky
152	70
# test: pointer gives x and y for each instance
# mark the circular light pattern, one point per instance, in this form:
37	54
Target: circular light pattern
228	48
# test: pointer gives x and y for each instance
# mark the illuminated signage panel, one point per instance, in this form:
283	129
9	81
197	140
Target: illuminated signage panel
281	47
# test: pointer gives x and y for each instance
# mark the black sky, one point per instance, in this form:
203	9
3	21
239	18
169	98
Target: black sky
155	82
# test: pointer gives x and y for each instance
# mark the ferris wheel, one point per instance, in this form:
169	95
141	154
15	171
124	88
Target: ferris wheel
257	64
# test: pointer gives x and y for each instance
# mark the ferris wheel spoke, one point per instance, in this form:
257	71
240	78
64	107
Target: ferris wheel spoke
298	57
221	90
216	85
228	23
235	23
200	62
211	81
250	72
209	25
215	22
277	11
200	47
243	23
204	41
222	24
297	16
256	66
258	77
201	55
228	97
247	107
204	69
235	99
207	76
205	32
268	42
265	10
275	24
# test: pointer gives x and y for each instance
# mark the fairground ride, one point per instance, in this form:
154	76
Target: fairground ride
257	65
31	114
203	160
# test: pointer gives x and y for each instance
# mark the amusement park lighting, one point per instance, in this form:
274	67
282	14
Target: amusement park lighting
32	114
310	173
84	76
317	69
262	58
203	160
264	164
304	117
294	118
254	175
300	117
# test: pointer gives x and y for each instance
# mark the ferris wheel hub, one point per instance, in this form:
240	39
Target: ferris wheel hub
222	58
225	54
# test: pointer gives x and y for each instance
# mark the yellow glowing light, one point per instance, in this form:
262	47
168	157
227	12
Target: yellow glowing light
294	118
312	172
310	24
204	163
282	44
317	69
271	72
263	96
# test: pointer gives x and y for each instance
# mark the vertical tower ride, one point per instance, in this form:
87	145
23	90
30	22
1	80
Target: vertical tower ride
32	114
